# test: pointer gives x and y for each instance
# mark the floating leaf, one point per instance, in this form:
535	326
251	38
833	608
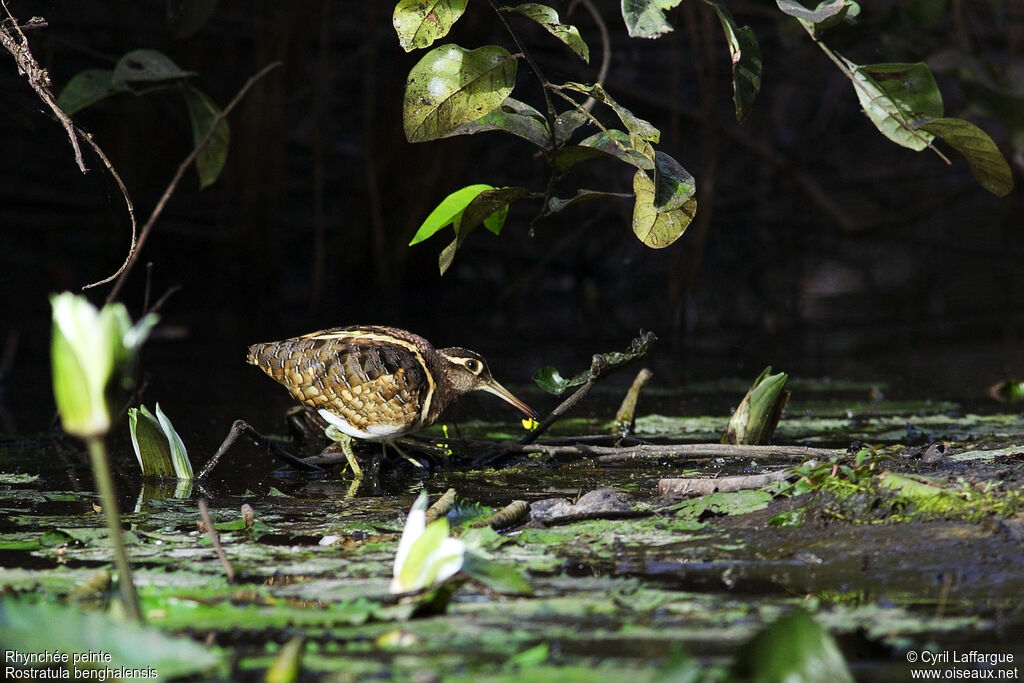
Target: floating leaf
673	184
794	648
657	229
983	156
646	18
201	112
147	66
634	124
88	87
746	61
548	18
452	86
894	95
498	577
515	117
419	23
129	644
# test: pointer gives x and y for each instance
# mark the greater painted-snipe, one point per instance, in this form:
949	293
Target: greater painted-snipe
376	383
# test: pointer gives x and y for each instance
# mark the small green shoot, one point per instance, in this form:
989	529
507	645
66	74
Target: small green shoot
158	448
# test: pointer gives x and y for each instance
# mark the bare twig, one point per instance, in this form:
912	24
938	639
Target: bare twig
204	512
697	451
173	185
606	45
16	43
242	428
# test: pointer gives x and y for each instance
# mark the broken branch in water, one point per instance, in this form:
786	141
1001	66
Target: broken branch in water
692	487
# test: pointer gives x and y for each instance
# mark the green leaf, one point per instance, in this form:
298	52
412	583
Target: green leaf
129	644
567	123
548	18
88	87
287	665
657	229
186	17
489	207
983	156
615	143
895	95
448	211
550	380
757	415
147	66
150	445
646	18
634	124
822	17
673	184
498	577
201	112
419	23
451	86
746	61
515	117
793	649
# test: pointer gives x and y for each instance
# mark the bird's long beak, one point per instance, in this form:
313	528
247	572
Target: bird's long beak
493	387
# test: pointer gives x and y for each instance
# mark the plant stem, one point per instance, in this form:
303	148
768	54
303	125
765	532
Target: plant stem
112	513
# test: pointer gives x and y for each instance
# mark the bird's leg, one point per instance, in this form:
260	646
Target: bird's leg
344	441
394	445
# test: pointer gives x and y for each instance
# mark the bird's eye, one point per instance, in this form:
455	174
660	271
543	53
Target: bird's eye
474	366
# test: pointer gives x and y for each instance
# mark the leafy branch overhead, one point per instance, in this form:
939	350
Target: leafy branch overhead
142	71
454	90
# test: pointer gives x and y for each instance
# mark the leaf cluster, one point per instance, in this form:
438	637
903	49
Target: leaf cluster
144	71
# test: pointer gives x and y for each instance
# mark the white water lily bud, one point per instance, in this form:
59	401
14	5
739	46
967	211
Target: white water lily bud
92	353
426	555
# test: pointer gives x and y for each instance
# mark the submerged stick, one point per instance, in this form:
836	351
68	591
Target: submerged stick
204	512
441	506
243	428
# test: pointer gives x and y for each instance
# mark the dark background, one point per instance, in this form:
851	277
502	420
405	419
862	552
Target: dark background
820	247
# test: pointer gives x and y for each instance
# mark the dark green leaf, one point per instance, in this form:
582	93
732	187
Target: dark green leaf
657	229
186	17
513	117
147	66
88	87
129	644
894	95
201	113
634	124
548	18
551	381
614	143
746	61
533	656
983	156
151	446
452	86
673	184
567	123
419	23
646	18
793	649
